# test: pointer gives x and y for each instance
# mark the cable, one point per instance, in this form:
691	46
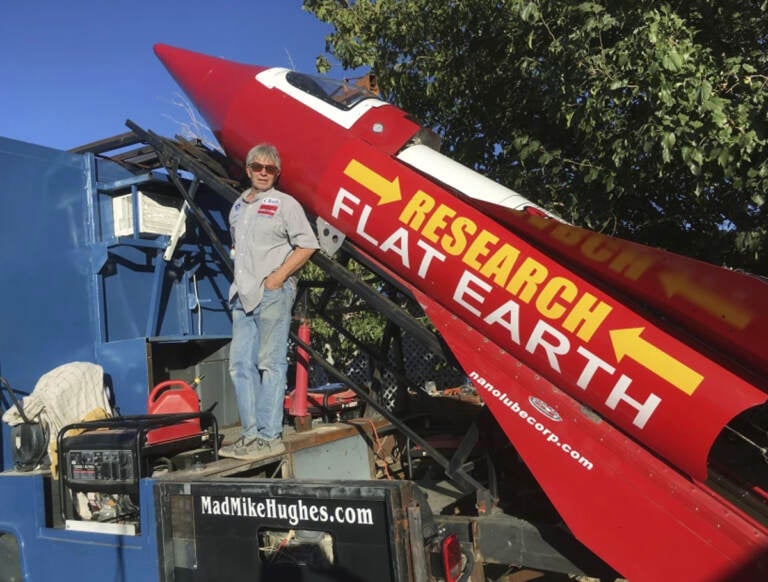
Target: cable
379	451
4	383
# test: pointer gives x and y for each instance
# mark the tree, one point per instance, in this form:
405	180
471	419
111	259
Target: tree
642	119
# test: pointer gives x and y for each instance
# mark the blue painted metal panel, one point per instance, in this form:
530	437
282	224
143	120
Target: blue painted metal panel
74	556
187	296
45	302
125	363
70	290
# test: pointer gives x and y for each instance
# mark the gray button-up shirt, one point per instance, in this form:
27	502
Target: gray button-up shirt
264	232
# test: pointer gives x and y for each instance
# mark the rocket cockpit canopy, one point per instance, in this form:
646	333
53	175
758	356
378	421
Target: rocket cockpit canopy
342	94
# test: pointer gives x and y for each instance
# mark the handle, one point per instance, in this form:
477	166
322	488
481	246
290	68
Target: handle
163	386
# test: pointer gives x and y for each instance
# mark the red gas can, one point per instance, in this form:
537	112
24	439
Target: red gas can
173	397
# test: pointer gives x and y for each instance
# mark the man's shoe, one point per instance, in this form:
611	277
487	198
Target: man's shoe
255	448
275	446
230	449
259	449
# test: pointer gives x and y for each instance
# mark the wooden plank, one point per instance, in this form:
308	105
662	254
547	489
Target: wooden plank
294	441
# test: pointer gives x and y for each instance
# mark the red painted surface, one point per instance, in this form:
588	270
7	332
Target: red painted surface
547	320
298	405
173	397
724	308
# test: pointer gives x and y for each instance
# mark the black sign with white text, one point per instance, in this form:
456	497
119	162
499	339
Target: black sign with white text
268	530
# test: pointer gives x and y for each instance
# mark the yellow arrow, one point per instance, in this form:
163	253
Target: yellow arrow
627	342
387	191
706	299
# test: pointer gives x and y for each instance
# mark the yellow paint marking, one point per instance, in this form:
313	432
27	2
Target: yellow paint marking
387	190
714	304
627	342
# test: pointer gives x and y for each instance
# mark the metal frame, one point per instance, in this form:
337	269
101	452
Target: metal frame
141	425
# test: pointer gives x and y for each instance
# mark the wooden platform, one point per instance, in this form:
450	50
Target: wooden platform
282	465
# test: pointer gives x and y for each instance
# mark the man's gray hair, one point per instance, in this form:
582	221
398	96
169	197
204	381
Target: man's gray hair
264	151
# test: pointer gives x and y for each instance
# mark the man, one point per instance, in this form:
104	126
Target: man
272	239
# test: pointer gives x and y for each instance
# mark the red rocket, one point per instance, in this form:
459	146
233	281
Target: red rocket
619	372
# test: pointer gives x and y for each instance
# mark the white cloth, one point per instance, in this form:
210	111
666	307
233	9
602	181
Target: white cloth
63	396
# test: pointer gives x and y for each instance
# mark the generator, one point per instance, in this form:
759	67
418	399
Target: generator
102	461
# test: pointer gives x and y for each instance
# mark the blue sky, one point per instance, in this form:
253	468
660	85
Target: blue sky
72	72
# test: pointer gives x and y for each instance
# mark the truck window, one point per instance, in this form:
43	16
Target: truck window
10	564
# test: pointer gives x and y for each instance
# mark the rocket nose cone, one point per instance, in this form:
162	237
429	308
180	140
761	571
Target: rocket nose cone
168	53
210	83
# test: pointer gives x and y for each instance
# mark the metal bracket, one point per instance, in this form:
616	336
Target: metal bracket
330	237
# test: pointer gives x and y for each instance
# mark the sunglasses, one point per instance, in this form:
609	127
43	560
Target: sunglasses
268	168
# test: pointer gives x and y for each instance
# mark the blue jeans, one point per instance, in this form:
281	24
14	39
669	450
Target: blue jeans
258	361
